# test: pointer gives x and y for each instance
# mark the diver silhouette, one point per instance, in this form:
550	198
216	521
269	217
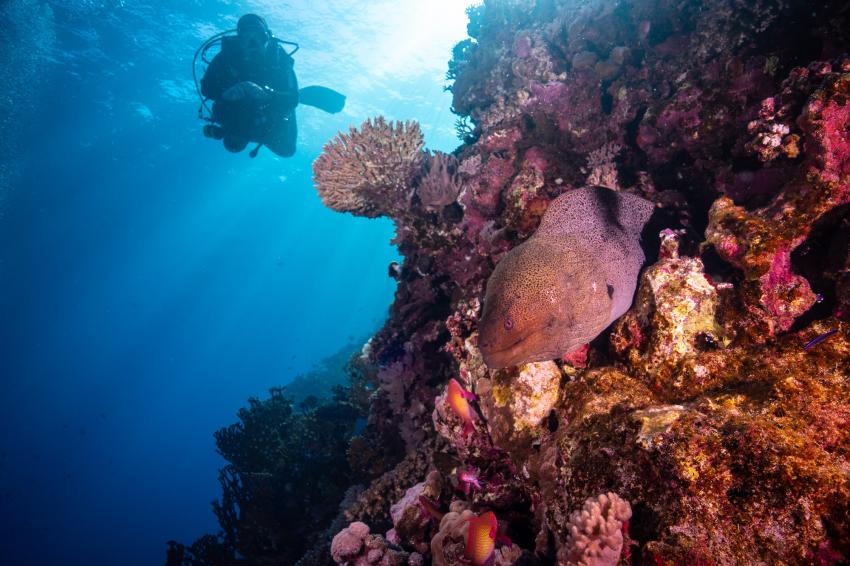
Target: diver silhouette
254	90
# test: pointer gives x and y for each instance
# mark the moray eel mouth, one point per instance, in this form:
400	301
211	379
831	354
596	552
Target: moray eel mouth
498	356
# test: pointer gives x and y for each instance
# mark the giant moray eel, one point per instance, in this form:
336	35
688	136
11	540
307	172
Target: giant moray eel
565	284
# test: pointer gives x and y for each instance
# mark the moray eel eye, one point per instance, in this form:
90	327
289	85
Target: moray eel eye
509	323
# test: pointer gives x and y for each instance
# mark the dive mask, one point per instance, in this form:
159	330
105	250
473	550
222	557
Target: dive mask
253	40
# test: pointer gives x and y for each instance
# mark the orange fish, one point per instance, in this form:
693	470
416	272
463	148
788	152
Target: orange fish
459	398
481	539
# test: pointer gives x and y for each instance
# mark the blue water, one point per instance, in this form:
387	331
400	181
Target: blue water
150	282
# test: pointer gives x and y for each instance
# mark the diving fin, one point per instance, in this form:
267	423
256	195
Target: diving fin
322	98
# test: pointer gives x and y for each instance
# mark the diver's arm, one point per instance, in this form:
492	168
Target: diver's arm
285	90
286	99
212	83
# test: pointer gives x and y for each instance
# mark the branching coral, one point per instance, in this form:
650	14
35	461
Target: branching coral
369	172
374	503
602	167
277	496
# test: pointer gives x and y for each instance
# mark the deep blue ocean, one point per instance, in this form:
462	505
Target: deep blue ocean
150	282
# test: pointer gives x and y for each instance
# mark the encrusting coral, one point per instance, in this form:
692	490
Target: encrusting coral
515	405
673	318
410	519
717	407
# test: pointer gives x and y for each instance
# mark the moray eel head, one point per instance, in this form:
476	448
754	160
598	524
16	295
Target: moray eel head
543	299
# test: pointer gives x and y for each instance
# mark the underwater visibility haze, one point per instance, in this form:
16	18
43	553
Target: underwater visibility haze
544	282
151	281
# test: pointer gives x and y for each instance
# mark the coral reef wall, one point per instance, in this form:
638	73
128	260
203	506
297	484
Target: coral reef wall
710	423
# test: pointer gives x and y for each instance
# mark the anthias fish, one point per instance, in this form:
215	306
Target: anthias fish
459	399
481	539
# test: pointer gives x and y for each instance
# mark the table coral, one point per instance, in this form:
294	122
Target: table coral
368	172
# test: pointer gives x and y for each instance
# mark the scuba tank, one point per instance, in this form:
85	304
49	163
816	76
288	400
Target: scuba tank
204	111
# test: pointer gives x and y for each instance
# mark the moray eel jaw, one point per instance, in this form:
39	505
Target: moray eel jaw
499	357
496	350
545	342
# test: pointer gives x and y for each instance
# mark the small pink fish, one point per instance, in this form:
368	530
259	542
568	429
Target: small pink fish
481	539
467	479
459	399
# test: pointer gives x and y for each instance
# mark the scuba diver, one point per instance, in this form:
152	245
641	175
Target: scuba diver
254	90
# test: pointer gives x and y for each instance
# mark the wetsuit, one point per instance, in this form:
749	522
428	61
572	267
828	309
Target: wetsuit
264	116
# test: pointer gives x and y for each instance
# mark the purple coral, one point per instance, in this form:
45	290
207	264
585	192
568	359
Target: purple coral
413	519
354	546
349	542
369	172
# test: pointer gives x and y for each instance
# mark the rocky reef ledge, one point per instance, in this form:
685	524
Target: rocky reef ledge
710	424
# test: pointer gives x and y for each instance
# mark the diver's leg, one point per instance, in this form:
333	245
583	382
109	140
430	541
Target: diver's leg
284	139
213	131
231	117
234	143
